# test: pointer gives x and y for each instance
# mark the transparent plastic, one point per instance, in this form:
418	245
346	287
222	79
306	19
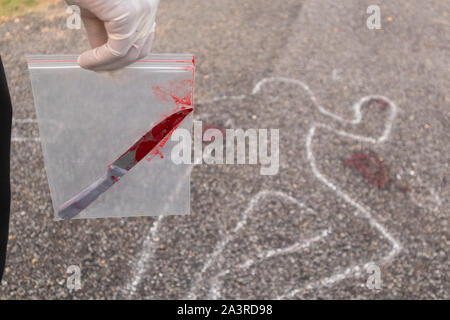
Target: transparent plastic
87	120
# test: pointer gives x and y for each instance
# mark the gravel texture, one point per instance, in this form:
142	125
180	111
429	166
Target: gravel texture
310	230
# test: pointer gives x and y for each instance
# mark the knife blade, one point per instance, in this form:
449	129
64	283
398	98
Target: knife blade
148	142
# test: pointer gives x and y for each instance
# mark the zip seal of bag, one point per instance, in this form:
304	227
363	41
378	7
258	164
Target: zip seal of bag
156	136
153	61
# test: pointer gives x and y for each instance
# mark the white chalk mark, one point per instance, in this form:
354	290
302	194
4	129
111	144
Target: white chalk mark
302	244
148	246
435	196
147	252
27	120
293	248
356	109
432	198
328	281
242	222
221	98
305	87
24	139
230	123
434	202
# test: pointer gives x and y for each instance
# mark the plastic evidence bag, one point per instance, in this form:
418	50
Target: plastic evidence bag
106	136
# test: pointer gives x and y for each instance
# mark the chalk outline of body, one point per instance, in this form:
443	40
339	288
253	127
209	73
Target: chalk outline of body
361	210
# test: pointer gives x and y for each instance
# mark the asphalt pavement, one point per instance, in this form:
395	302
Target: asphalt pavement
362	188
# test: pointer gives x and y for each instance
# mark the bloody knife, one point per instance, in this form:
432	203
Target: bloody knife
159	133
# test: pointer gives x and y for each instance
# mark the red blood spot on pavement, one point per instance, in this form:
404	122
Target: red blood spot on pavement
405	188
374	170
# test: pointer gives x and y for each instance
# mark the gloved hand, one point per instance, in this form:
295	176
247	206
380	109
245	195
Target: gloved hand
119	31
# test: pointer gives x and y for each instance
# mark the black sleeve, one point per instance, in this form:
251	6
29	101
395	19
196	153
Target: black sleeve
5	145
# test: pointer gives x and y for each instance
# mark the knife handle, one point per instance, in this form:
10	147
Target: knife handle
81	201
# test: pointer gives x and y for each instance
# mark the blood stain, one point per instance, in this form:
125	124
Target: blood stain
380	102
157	135
180	92
373	169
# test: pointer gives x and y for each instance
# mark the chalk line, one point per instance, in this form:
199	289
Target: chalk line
356	108
242	222
435	198
148	246
24	139
396	247
302	244
26	120
147	252
305	87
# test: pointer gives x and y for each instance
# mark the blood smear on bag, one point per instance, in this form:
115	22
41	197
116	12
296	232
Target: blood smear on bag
179	92
157	136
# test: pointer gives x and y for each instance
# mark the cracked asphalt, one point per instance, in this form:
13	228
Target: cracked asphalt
334	89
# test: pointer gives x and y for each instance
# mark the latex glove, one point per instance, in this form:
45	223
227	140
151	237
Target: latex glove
119	31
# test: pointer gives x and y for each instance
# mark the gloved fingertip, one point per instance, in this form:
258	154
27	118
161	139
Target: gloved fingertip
88	60
81	62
